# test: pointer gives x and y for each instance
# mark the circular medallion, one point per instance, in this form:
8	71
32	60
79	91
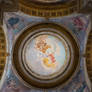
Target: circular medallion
45	55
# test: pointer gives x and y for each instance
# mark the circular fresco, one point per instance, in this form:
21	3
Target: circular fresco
45	57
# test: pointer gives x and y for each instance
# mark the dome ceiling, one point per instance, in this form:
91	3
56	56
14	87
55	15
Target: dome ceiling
45	57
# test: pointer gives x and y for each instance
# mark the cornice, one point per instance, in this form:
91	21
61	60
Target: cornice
59	9
49	10
39	9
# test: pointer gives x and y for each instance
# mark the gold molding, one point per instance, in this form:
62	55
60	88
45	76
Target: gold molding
89	56
50	10
3	53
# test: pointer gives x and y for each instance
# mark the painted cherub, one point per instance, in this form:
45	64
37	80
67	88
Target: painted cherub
41	44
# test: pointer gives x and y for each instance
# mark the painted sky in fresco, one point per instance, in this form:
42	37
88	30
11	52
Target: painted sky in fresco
46	55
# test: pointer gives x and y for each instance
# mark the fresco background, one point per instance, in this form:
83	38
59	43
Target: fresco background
14	24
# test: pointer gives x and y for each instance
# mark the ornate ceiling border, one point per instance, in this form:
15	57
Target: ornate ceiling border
3	53
39	9
50	10
89	56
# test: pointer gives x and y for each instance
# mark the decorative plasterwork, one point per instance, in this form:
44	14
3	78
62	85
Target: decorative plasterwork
34	8
89	56
21	68
3	53
7	6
